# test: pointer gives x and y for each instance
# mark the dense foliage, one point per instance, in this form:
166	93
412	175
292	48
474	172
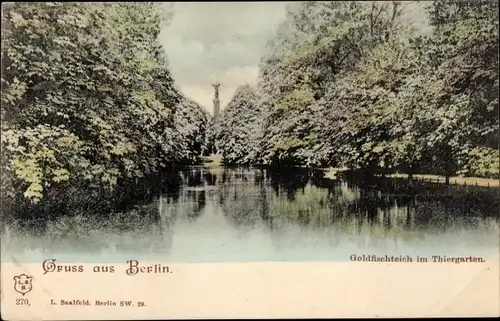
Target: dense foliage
359	84
192	123
88	101
233	135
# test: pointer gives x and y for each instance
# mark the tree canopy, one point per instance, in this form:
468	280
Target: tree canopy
88	98
359	84
89	102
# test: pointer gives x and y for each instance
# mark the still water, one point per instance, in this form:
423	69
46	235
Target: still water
241	214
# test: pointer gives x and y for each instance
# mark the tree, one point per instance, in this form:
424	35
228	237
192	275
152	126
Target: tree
465	45
88	100
236	131
333	37
191	123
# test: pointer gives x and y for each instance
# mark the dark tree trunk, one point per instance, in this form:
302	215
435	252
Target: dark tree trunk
411	171
448	164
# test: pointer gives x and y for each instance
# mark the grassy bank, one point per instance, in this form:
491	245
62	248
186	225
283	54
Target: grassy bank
332	173
215	161
456	180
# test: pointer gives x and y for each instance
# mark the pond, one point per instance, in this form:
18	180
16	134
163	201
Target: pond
251	214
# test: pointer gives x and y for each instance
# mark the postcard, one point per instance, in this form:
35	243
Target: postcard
209	160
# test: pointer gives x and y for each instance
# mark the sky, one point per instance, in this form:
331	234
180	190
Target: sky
218	41
224	42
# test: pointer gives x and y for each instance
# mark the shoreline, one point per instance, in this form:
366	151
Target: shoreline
215	162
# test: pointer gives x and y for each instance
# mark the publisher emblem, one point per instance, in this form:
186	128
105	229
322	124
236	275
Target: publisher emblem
22	283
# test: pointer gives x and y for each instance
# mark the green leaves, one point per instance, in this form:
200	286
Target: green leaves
60	174
484	162
86	96
236	129
355	84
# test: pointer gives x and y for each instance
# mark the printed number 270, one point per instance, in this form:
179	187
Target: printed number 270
22	302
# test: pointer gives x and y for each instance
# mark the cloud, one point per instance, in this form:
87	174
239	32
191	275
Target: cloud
224	41
221	41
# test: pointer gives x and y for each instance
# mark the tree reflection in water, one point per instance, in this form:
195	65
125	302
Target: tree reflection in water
273	202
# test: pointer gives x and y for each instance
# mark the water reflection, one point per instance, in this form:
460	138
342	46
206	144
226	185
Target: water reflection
256	214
